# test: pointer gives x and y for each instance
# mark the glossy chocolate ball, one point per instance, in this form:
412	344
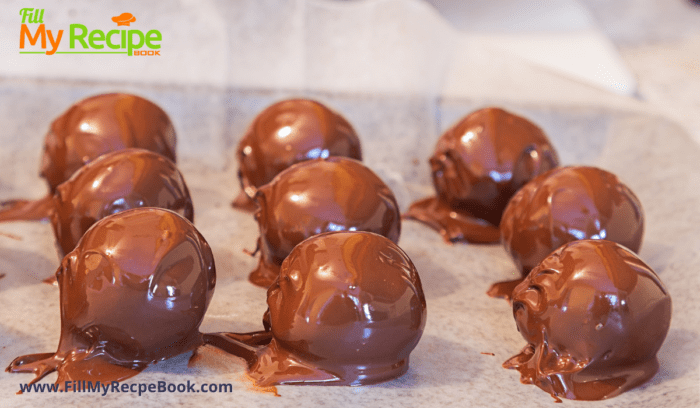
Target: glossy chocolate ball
115	182
315	196
289	132
567	204
594	316
481	161
348	307
478	164
134	291
102	124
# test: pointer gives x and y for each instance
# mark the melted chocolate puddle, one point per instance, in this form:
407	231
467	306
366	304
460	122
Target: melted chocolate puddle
26	210
269	364
73	365
454	226
504	289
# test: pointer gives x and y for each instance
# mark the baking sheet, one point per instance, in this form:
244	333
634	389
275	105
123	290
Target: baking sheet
652	155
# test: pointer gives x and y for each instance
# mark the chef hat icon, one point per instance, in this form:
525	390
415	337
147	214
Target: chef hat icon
124	19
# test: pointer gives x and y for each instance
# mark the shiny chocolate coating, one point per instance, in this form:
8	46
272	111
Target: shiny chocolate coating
133	292
347	309
315	196
90	128
102	124
289	132
115	182
594	316
568	204
478	164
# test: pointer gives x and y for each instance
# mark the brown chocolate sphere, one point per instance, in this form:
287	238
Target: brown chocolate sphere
115	182
568	204
594	316
102	124
286	133
315	196
133	292
478	164
347	309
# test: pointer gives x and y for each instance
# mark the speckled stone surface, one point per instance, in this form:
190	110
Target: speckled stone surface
654	156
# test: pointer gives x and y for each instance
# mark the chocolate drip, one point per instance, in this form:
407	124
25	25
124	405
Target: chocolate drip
454	226
504	289
26	210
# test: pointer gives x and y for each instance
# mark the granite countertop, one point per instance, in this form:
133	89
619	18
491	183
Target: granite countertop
650	140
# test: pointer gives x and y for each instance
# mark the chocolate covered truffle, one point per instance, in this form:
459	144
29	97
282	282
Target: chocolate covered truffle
286	133
315	196
91	127
564	205
478	164
102	124
133	292
594	316
347	309
115	182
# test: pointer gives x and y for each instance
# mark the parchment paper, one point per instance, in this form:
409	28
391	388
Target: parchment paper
652	155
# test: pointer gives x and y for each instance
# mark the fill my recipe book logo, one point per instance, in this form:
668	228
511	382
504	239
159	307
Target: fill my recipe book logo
82	40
